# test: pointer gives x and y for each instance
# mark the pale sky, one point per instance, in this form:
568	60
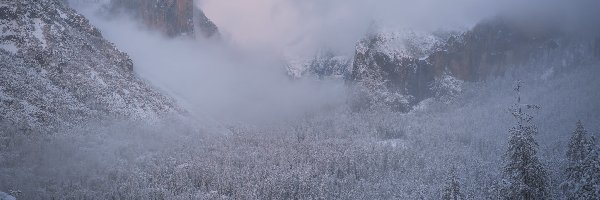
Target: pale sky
301	26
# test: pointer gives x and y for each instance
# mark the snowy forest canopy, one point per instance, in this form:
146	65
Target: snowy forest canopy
494	112
460	150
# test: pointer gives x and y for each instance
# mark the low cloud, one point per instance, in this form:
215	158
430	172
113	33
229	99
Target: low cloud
302	27
246	79
215	80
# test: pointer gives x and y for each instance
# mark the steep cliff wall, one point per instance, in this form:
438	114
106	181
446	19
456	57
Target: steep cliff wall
391	69
400	70
171	17
490	48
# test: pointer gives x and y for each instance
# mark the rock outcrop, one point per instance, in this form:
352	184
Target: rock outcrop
401	69
57	71
324	65
171	17
392	69
490	48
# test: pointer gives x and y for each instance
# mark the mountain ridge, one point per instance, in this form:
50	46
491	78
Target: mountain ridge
399	69
57	71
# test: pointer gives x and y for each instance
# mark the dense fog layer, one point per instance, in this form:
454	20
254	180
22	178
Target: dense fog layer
213	79
243	75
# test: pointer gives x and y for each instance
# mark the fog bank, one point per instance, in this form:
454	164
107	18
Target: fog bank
300	28
214	80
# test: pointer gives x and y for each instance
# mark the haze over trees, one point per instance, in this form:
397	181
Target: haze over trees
526	177
316	100
583	171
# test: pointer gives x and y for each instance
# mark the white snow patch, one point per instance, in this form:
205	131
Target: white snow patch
62	14
297	67
29	109
423	105
408	43
451	83
8	27
89	3
118	101
4	196
395	143
4	96
39	31
340	59
10	47
98	79
547	74
361	48
447	88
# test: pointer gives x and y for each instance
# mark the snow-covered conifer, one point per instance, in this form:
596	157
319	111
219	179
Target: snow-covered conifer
524	174
583	170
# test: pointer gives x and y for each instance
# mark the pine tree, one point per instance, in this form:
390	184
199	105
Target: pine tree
525	176
452	189
583	170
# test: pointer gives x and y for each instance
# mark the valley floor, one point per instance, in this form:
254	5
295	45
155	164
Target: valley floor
335	154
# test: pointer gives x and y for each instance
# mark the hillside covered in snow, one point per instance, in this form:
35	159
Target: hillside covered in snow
58	71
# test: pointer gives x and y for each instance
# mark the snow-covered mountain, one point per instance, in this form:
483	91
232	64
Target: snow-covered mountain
323	65
399	69
392	68
56	71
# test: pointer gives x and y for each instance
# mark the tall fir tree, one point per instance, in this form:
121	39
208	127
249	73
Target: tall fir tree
583	170
451	190
524	174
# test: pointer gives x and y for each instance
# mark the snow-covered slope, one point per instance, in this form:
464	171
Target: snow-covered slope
4	196
323	65
400	44
57	70
391	68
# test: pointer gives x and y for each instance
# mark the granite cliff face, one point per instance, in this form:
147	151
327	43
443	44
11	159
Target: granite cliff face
398	70
324	65
57	71
171	17
490	48
392	69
